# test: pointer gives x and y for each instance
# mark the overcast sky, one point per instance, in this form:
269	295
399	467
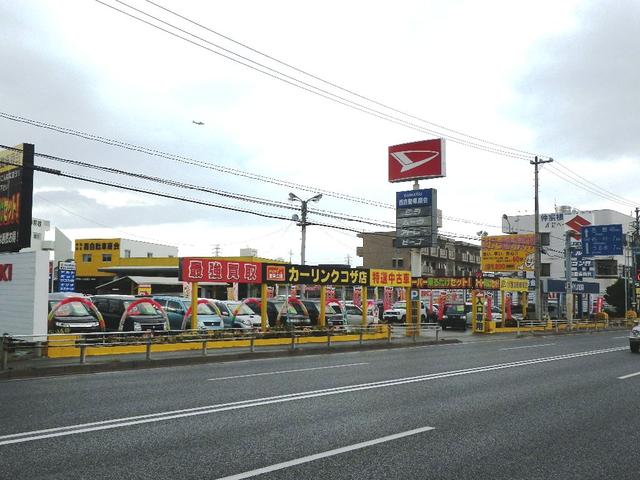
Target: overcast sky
555	78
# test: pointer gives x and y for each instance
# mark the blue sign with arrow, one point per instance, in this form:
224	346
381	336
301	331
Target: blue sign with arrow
602	240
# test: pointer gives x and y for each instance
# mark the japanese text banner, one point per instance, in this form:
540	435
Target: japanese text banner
390	278
314	275
216	270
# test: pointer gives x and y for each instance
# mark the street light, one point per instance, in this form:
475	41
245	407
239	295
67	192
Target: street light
506	219
302	221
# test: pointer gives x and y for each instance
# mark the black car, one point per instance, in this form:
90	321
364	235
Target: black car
143	317
332	317
294	315
455	316
72	316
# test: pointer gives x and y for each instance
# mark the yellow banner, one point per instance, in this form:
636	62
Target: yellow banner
508	253
389	278
514	285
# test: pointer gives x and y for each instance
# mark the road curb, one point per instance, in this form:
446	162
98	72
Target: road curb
123	365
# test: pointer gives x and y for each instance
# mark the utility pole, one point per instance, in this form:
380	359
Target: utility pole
635	253
538	259
348	259
303	219
216	250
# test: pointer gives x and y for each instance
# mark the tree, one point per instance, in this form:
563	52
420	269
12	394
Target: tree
615	295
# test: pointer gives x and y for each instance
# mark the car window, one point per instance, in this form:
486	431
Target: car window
243	309
223	308
352	310
204	309
115	306
400	305
453	309
72	309
161	301
174	307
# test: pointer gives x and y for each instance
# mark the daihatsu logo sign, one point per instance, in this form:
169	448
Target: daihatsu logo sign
417	160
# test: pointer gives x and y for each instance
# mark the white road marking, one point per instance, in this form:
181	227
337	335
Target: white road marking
616	338
624	377
328	453
280	372
529	346
190	412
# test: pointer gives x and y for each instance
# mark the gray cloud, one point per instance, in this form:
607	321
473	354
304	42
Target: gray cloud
580	94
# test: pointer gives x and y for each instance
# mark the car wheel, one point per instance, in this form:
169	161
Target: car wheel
634	347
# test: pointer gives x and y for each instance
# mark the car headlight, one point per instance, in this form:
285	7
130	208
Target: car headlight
246	322
635	333
137	327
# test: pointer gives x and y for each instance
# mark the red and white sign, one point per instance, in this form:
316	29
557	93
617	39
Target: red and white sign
417	160
6	272
214	270
576	224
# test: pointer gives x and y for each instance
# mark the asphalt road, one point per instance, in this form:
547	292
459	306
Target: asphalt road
544	407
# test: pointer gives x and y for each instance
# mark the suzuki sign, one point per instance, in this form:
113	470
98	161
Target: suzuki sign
417	160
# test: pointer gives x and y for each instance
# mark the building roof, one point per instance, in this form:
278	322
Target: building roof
141	280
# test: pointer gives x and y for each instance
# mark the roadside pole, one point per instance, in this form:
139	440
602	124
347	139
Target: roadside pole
323	307
263	307
538	253
194	306
567	274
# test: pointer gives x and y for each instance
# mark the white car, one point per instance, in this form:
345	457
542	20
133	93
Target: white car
398	313
242	315
634	339
353	315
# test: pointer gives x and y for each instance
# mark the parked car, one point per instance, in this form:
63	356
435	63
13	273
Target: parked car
455	316
291	314
242	316
178	311
353	315
73	312
130	313
333	317
496	316
634	339
398	313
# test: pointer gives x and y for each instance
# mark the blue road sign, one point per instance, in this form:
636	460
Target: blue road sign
602	240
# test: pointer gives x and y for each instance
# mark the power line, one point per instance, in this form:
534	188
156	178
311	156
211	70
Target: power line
304	85
332	84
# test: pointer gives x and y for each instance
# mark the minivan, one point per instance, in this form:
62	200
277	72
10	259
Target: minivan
147	314
74	315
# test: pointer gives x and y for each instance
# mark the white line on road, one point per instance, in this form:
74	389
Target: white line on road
190	412
328	453
616	338
280	372
624	377
529	346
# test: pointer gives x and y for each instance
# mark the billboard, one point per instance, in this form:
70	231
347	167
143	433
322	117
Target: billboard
417	160
604	240
66	276
16	190
217	270
508	253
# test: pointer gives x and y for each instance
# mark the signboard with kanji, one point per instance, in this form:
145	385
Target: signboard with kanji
508	253
581	265
443	282
315	275
66	276
16	192
602	240
389	278
514	284
416	218
217	270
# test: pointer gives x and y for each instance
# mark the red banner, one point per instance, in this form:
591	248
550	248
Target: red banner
214	270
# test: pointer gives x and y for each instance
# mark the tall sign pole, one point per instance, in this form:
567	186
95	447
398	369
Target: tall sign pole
538	258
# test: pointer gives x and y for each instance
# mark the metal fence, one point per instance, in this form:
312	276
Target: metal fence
82	344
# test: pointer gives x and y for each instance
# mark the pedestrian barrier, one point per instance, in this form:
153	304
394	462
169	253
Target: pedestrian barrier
85	345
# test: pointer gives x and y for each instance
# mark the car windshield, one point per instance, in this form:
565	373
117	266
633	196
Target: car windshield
143	308
205	309
71	309
224	309
400	305
452	309
242	309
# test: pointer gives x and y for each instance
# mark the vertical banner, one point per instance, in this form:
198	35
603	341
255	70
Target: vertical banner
357	295
441	303
387	301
